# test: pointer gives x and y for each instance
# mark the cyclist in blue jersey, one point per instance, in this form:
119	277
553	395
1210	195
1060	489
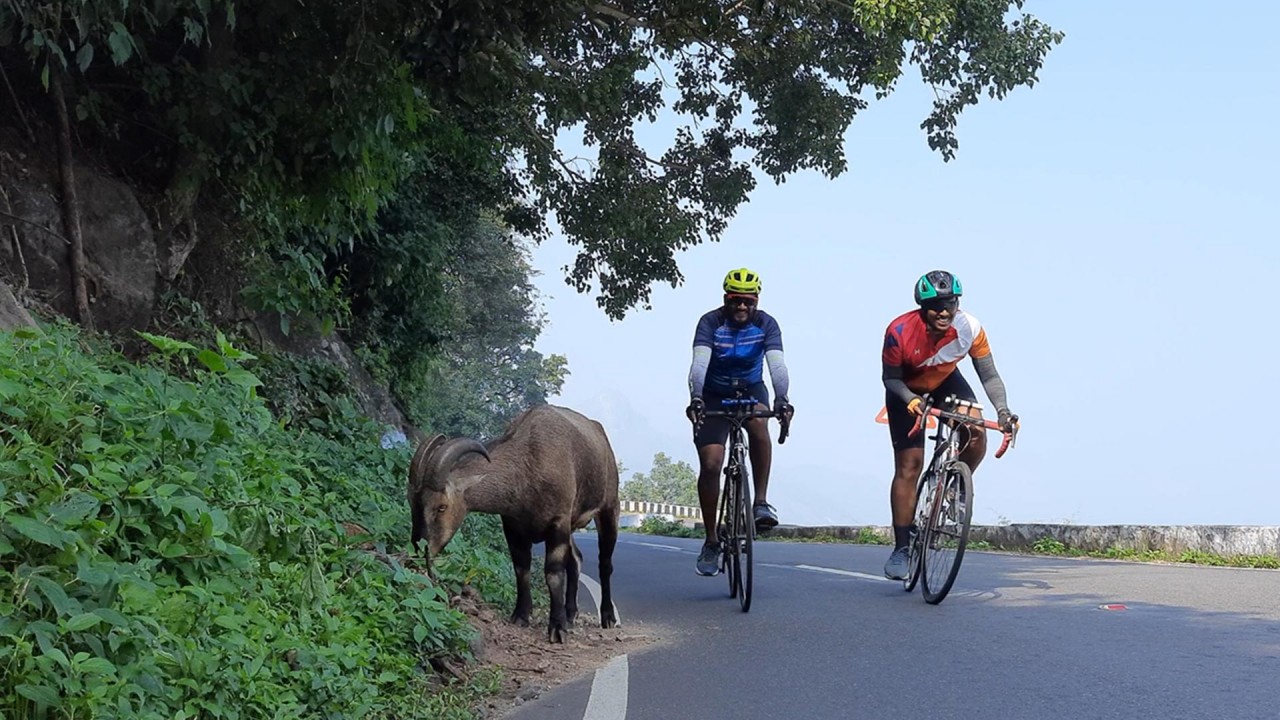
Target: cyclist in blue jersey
732	343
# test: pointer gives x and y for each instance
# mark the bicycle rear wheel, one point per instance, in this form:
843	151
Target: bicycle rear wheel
948	530
745	539
920	520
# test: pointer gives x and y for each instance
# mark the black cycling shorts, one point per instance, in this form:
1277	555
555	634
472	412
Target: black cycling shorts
715	430
901	421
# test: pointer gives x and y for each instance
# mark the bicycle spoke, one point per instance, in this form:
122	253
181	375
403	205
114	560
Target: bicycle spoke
948	531
727	533
920	518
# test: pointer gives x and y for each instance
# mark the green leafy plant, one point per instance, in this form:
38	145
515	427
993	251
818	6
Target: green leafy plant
169	549
656	525
1049	546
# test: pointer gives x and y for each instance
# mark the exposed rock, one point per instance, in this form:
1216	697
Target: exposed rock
12	314
119	243
124	266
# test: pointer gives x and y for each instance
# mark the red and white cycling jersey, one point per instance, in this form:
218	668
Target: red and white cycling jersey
925	363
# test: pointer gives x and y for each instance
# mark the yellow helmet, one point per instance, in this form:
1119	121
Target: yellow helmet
742	280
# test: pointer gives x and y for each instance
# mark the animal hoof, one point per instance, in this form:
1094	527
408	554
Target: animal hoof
519	621
608	617
556	635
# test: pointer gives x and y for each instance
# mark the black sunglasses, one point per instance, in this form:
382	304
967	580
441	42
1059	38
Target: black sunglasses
735	300
940	304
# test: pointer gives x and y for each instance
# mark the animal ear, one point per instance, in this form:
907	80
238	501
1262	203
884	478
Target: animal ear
419	462
460	484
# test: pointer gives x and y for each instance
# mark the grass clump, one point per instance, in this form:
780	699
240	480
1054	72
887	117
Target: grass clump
1051	546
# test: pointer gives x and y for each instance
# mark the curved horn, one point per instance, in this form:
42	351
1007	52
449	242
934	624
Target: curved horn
440	462
425	450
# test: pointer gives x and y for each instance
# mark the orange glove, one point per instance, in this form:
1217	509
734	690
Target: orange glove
915	406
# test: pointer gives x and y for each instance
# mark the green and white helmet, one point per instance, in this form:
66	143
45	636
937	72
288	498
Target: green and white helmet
937	284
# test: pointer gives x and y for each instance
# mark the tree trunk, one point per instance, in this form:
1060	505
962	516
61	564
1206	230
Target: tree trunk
70	203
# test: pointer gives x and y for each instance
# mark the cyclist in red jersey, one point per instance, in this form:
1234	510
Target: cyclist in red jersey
921	351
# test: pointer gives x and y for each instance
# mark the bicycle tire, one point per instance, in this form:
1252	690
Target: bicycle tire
726	533
745	540
918	517
948	531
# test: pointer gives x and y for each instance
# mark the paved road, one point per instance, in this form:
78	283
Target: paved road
1018	637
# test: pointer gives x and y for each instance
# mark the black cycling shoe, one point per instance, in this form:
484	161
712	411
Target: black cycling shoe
766	517
709	559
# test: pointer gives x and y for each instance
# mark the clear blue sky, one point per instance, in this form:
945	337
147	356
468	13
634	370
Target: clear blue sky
1115	228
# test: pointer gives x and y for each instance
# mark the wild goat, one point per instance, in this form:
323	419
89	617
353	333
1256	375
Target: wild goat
548	475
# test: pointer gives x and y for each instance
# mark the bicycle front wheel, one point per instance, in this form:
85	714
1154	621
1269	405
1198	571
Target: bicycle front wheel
745	538
920	520
727	532
948	530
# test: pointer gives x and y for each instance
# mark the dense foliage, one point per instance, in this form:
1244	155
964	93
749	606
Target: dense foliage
451	330
169	549
311	117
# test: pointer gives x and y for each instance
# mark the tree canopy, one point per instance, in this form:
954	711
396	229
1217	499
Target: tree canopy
667	482
310	117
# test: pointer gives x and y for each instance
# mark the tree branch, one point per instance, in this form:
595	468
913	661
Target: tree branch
17	243
17	106
617	14
25	221
551	148
844	6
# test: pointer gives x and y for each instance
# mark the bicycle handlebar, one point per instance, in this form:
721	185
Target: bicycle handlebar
1010	436
745	411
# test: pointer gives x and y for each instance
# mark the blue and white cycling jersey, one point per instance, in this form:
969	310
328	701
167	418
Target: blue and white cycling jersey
737	352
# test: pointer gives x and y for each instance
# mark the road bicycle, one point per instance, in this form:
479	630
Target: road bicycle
944	497
737	527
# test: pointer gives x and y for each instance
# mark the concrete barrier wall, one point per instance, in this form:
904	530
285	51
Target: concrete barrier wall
1224	540
644	507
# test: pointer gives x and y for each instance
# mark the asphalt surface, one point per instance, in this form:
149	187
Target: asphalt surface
1018	637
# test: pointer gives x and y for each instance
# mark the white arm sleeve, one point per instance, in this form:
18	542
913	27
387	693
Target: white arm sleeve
778	374
698	370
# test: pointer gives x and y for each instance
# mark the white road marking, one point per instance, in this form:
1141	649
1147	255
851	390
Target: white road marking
608	699
675	548
593	589
847	573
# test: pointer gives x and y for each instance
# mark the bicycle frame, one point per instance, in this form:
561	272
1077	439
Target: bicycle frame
736	525
946	448
744	410
934	501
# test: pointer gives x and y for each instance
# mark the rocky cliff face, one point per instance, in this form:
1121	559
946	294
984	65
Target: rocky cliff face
129	263
120	245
